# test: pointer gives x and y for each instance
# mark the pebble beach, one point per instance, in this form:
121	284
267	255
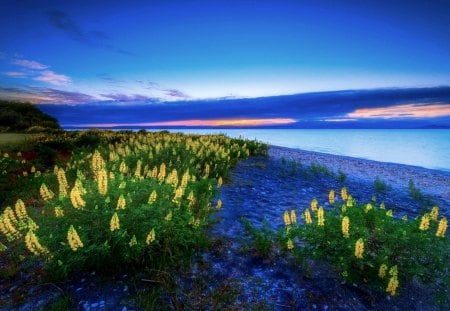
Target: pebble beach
432	182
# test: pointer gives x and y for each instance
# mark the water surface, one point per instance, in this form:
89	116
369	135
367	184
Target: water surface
425	148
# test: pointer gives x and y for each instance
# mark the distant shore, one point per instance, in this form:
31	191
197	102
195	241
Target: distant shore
431	182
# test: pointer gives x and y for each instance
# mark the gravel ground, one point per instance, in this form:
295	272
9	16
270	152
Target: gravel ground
432	182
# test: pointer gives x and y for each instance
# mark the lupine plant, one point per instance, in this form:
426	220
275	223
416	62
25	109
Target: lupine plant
367	244
138	199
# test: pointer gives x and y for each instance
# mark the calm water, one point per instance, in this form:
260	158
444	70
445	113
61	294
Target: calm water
426	148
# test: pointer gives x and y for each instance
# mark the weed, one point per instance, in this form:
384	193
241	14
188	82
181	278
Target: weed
380	186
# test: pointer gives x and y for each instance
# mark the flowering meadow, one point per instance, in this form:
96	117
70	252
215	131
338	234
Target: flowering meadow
368	244
115	199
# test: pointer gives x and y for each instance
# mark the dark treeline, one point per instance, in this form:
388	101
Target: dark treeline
24	117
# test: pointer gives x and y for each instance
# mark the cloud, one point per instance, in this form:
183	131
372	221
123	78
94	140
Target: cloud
37	95
29	64
176	93
15	74
128	98
404	111
53	78
62	21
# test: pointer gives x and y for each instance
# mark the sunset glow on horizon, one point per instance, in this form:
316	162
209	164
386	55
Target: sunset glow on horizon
216	122
416	110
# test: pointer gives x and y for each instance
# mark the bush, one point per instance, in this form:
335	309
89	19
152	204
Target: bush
380	185
367	245
143	201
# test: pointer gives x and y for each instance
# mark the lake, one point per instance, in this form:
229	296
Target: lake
425	148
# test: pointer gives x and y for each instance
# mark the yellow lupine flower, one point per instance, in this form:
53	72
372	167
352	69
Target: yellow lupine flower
8	229
314	204
393	271
76	199
345	226
307	215
168	216
9	214
434	213
62	182
392	286
59	212
442	227
382	206
382	271
114	224
344	194
33	245
349	201
191	198
137	172
20	210
293	217
150	237
359	248
133	241
97	163
154	173
289	244
79	185
320	217
389	213
219	204
102	181
123	168
206	170
331	197
74	239
286	218
424	222
219	182
152	198
368	207
31	224
178	194
185	179
121	202
162	172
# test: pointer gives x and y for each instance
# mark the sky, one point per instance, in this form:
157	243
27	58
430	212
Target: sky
153	54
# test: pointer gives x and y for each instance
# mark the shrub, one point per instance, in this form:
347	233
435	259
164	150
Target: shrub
380	185
366	244
143	201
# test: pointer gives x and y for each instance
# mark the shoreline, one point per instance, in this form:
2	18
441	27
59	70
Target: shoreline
429	181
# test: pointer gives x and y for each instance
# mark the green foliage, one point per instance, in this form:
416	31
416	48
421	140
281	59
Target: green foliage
414	192
342	177
380	185
261	239
400	243
20	117
62	304
158	234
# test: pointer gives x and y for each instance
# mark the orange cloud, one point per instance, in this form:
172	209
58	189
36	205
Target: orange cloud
402	111
216	122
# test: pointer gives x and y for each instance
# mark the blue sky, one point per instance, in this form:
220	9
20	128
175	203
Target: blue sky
77	52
